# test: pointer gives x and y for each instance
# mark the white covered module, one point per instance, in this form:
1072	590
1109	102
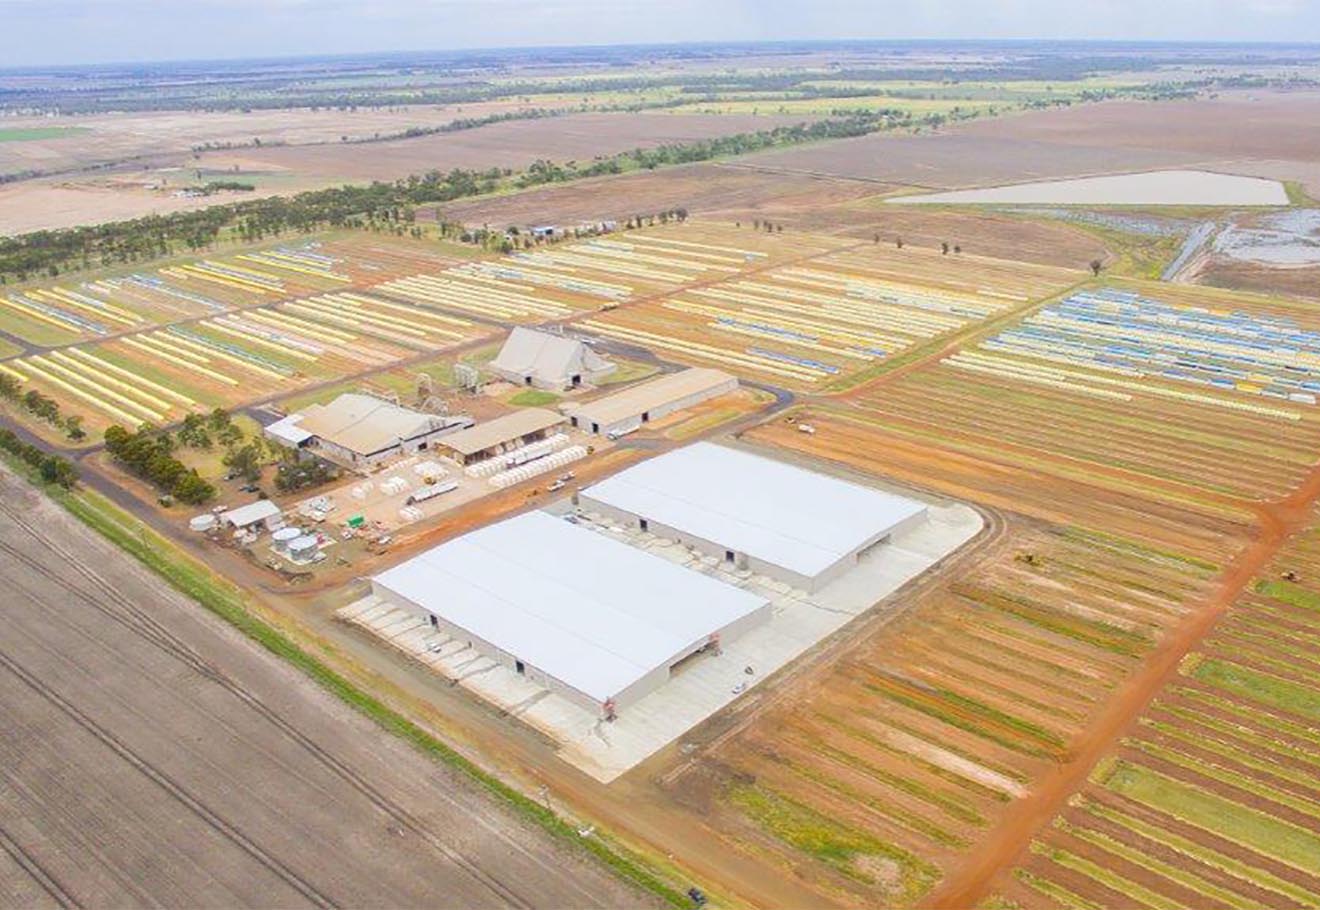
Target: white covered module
766	515
588	617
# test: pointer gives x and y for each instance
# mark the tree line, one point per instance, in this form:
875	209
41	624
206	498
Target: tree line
50	468
49	253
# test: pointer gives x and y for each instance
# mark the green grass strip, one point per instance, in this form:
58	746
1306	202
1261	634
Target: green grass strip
1290	844
1056	892
1114	882
829	840
932	708
193	579
1091	632
925	794
885	809
1246	735
1144	860
1213	744
1126	546
1292	594
1226	776
1207	856
533	398
1251	713
939	771
1270	690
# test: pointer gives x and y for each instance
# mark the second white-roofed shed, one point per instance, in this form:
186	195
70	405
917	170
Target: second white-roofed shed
777	519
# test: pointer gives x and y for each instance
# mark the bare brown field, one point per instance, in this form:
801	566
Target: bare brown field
168	136
710	190
50	204
515	144
989	234
1266	125
1247	276
953	160
729	192
231	777
1261	134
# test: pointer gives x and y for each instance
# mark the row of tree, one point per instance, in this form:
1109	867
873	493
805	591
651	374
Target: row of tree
40	406
51	468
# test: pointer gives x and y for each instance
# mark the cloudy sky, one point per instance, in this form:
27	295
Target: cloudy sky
34	32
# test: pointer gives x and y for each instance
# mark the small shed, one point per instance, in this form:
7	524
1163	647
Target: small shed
263	513
500	435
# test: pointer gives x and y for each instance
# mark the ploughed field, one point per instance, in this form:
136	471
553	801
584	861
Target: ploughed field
1211	801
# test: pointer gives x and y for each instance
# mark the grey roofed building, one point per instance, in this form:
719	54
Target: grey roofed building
652	400
501	434
361	431
545	361
262	510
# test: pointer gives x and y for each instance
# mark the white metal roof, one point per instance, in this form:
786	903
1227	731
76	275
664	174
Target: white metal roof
286	430
653	393
593	612
251	513
502	429
552	358
787	516
364	424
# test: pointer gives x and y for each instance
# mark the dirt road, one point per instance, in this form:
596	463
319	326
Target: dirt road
998	853
152	755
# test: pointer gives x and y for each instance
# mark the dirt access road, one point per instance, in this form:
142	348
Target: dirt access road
154	756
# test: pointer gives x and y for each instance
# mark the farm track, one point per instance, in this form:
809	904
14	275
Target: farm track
1007	844
33	867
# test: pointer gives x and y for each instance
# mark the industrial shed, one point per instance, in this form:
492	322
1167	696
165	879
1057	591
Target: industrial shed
544	361
652	400
764	515
503	434
361	432
587	617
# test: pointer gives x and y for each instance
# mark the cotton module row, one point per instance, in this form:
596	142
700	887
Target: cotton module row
1266	356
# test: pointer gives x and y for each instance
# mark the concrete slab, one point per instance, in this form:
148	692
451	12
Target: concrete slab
705	685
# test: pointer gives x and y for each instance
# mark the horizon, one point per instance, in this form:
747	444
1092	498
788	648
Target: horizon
64	34
1116	44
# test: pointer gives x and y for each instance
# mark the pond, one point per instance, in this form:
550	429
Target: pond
1174	187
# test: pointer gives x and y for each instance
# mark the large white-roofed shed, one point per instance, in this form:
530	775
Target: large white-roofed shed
585	616
768	516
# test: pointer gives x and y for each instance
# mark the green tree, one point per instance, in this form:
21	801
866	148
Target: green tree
190	488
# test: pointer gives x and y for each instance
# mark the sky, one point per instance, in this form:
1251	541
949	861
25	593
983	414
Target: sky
39	32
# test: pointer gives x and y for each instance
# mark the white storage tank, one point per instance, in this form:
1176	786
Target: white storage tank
283	537
302	549
202	522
